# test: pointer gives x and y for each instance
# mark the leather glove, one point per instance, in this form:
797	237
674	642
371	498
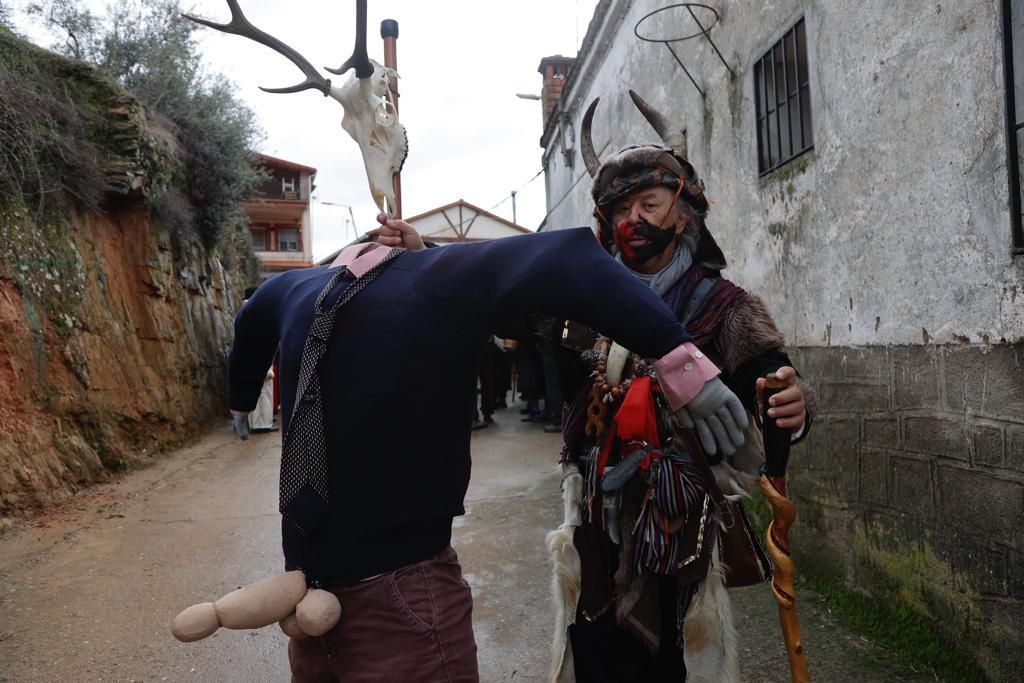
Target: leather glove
240	423
717	415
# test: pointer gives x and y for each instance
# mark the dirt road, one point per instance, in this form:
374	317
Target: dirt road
88	589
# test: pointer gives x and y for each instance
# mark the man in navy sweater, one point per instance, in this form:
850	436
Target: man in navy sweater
398	388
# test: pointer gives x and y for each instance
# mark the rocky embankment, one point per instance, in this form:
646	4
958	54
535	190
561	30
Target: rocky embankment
114	328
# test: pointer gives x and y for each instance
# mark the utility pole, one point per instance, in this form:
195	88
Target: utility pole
355	229
514	207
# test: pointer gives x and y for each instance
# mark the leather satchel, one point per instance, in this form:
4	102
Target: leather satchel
744	560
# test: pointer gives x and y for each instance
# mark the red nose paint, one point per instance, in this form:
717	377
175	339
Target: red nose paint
624	232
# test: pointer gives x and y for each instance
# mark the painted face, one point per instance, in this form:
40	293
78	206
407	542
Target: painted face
639	242
638	219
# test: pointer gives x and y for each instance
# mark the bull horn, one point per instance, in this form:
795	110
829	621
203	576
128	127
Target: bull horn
590	158
674	138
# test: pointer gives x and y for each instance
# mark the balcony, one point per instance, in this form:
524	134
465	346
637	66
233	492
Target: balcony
281	256
275	210
277	261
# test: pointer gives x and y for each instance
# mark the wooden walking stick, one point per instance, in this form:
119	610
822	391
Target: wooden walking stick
773	487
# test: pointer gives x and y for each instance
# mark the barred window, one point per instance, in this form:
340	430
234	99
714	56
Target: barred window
783	100
1013	73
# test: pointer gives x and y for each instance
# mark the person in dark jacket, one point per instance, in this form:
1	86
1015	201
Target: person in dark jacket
368	501
639	557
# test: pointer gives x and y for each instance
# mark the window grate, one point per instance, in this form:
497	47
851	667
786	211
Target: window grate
1013	57
782	99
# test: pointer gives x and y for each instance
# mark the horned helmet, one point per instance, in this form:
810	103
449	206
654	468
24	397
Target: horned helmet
636	167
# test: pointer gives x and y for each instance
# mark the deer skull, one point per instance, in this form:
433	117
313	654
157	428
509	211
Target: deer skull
371	121
370	116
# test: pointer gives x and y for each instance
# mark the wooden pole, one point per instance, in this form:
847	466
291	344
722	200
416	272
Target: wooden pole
777	539
773	488
389	32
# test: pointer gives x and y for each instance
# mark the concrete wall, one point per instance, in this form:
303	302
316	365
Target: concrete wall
885	256
895	228
912	474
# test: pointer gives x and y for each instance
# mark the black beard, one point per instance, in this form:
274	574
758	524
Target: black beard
658	240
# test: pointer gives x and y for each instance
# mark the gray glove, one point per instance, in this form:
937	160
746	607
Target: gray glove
240	423
717	415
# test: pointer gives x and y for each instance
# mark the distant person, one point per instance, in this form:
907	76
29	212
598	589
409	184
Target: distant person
262	418
530	370
489	356
503	372
552	414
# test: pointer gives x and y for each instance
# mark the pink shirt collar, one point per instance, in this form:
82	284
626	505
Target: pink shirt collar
359	258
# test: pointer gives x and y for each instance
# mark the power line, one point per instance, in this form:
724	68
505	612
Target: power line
507	197
564	196
520	189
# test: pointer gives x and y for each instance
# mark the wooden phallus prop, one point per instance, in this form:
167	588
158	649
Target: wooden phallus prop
281	599
773	487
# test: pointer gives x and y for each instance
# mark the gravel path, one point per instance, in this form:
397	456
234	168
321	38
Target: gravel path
88	588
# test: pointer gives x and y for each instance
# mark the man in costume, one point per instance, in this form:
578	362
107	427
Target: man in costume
378	358
640	560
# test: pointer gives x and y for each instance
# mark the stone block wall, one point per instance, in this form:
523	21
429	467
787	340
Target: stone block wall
912	485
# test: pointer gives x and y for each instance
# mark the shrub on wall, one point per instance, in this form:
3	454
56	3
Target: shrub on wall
148	49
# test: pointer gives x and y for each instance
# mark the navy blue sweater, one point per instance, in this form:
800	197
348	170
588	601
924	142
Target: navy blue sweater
399	378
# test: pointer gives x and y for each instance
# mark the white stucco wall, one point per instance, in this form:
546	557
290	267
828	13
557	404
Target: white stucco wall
307	235
895	229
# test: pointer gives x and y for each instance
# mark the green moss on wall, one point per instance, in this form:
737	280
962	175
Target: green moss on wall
42	260
78	139
895	594
901	594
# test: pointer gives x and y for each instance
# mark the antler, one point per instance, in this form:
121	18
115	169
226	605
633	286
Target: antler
359	60
240	26
383	145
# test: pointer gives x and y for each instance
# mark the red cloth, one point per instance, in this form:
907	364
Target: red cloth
634	421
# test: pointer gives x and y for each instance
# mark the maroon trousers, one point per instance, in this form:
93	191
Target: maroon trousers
413	625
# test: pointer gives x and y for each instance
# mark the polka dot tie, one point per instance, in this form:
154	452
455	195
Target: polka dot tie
305	491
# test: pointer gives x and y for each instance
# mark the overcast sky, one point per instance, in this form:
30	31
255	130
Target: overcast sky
461	65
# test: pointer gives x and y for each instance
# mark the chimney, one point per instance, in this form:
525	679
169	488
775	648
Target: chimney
555	70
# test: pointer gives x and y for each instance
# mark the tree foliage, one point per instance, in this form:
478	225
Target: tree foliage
150	50
77	24
48	145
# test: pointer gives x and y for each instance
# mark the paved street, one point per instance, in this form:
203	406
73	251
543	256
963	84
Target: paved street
88	589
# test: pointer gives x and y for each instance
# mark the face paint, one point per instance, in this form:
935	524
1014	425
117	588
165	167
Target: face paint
657	241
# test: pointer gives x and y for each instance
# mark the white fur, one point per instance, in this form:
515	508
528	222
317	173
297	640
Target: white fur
738	474
709	636
565	580
733	483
